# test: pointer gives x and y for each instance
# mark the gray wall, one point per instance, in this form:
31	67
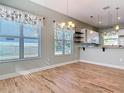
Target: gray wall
111	57
48	57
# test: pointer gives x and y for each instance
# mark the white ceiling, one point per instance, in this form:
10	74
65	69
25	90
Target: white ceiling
83	9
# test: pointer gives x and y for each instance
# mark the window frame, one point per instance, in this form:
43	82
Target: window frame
64	30
18	44
110	32
39	43
21	45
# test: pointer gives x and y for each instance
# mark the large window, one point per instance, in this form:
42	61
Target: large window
63	41
110	38
9	40
19	34
31	39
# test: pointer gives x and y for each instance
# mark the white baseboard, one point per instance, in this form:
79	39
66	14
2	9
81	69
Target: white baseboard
11	75
102	64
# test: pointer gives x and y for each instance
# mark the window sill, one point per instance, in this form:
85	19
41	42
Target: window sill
63	55
19	60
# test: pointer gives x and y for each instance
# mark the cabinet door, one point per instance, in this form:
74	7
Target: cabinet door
84	31
121	37
92	37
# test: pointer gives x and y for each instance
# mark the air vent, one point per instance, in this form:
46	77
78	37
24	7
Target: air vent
106	8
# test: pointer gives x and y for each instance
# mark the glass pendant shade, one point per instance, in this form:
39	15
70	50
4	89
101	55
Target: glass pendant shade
63	24
68	24
73	25
117	27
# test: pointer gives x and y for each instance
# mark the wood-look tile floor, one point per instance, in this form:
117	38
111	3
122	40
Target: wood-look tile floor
72	78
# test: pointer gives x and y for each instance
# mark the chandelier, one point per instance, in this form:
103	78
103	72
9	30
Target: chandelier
68	24
117	27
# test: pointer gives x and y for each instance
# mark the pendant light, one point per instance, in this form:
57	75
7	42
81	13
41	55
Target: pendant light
117	27
99	20
68	24
91	31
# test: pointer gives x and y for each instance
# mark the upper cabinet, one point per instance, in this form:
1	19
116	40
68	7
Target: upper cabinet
121	37
92	37
109	39
86	36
